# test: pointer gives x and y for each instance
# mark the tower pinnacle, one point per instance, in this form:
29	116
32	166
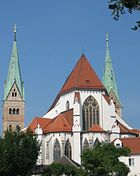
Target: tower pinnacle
15	30
109	80
107	39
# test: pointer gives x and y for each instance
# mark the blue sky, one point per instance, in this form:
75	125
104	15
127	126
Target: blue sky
52	35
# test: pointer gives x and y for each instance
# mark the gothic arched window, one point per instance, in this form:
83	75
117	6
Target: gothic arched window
56	151
67	105
68	151
90	113
86	143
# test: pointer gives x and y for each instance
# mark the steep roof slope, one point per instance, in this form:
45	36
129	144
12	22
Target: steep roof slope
82	76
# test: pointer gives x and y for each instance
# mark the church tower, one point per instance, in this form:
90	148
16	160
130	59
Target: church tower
13	102
109	81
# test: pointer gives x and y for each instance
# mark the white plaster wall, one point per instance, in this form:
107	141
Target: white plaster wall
107	112
61	105
135	170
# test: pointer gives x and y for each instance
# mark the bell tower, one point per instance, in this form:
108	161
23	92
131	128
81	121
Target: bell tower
13	101
109	81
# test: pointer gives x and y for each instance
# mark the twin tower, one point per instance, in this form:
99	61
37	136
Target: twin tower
14	100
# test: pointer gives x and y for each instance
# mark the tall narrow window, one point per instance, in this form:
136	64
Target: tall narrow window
90	113
56	151
68	151
14	111
10	111
131	162
17	111
67	105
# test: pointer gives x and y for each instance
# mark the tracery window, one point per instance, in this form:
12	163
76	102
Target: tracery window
68	151
56	151
90	112
86	143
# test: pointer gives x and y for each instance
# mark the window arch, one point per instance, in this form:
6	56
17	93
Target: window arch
86	143
14	111
17	111
68	151
90	113
56	151
67	105
10	111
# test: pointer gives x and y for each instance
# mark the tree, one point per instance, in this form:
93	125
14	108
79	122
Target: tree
103	161
119	7
18	153
57	169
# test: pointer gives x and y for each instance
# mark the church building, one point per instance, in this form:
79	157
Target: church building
85	111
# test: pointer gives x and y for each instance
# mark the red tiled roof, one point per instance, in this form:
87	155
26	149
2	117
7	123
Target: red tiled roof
61	123
132	143
96	128
39	120
82	76
124	130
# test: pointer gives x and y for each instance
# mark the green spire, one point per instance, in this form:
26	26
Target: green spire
109	76
14	73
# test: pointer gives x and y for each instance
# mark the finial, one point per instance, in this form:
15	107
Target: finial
82	51
107	39
15	30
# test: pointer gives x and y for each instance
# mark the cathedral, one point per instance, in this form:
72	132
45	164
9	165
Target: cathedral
85	111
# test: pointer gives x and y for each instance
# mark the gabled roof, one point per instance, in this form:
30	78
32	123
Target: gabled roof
82	76
61	123
96	128
132	143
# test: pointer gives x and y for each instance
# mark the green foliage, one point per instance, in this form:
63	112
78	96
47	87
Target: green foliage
103	161
119	7
19	153
57	169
